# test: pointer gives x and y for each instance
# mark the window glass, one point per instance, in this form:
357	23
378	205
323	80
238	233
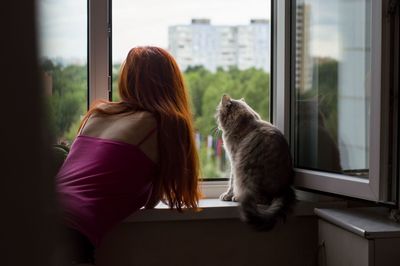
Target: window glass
62	26
332	86
220	46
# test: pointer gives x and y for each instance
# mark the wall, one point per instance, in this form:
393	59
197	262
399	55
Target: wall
27	225
210	242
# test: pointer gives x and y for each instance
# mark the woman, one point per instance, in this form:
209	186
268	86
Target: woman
131	153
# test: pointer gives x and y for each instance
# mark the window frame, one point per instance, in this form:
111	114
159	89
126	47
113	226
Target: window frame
369	189
99	36
282	71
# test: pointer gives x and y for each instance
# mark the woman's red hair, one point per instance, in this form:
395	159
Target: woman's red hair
150	80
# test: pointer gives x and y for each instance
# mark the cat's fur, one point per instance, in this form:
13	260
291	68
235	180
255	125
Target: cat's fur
261	164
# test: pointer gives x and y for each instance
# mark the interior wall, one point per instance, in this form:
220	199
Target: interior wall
28	211
210	242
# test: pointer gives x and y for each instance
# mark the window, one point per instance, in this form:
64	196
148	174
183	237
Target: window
334	107
334	87
205	42
63	62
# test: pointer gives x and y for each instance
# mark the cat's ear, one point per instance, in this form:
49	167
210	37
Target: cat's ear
226	100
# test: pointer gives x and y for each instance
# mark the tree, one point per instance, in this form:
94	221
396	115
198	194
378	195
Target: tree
206	89
69	101
69	97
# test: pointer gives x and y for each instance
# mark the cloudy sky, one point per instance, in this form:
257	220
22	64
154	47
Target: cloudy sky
62	23
146	22
62	28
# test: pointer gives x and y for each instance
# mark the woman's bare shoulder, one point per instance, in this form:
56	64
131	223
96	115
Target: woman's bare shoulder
142	117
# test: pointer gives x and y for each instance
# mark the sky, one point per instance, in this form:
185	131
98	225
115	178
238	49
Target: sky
62	23
62	28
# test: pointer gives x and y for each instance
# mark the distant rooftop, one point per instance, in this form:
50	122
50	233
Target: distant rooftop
206	21
259	21
201	21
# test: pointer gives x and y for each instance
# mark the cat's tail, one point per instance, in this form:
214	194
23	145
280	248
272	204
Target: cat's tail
264	217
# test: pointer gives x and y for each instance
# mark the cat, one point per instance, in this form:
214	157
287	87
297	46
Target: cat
261	164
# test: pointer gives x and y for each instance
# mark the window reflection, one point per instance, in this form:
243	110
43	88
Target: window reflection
332	86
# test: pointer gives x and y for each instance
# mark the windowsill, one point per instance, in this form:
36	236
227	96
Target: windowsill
367	222
217	209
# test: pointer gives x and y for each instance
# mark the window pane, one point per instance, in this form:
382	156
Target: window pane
220	46
332	86
63	52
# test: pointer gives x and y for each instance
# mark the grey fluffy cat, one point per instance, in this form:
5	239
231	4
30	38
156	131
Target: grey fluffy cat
261	164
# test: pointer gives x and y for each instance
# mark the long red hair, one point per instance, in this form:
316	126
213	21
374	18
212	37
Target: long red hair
150	80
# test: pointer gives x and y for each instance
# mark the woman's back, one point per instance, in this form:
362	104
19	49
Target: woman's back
128	127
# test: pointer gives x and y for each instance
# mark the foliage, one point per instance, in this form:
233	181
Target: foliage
206	89
68	101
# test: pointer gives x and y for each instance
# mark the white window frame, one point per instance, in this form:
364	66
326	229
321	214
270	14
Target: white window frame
281	52
371	188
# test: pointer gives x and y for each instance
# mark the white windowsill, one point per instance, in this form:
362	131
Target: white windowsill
217	209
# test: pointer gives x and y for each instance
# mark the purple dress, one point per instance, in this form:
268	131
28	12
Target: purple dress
102	182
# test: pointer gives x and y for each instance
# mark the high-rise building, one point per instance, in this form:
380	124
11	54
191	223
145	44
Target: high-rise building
216	46
304	63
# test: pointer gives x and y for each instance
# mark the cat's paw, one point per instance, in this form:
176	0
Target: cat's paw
235	198
226	196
